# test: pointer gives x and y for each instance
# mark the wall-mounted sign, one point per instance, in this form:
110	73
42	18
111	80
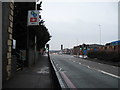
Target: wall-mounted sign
33	17
14	44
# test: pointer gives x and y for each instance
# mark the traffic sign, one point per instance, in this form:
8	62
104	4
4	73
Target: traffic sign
85	52
33	17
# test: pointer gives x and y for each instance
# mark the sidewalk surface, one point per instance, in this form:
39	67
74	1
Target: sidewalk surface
38	76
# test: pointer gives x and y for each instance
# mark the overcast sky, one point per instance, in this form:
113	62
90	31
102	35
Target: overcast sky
74	22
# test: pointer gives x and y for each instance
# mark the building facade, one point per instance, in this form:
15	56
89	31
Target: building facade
7	30
14	28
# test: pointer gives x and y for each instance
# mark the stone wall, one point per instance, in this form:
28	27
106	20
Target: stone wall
7	25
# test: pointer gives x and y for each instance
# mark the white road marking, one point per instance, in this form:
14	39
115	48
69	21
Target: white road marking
60	69
106	73
84	65
109	74
56	65
114	67
100	63
79	63
88	66
73	61
101	71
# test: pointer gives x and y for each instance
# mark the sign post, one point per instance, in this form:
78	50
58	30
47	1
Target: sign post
33	20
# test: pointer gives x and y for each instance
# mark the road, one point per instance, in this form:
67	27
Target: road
80	73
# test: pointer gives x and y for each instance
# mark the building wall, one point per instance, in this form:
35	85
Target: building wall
7	24
93	47
0	46
76	50
23	34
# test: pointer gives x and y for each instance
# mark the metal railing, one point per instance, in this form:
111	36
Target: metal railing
19	61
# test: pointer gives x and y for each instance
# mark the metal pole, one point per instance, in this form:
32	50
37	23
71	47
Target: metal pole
27	51
100	33
35	37
77	41
36	5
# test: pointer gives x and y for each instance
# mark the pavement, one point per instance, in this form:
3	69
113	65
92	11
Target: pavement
38	76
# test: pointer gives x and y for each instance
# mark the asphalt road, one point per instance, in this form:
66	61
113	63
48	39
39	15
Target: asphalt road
80	73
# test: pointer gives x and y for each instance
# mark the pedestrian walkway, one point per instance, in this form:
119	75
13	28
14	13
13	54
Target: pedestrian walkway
38	76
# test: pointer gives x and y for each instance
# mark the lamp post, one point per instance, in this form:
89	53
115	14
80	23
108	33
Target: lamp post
100	32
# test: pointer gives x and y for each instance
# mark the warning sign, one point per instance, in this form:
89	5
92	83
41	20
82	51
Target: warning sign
33	17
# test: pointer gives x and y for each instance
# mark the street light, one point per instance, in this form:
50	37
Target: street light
100	32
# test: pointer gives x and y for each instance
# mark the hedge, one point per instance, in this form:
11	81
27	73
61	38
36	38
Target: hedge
105	55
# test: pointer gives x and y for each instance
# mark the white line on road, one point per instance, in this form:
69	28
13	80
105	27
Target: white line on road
84	65
56	64
79	63
88	66
60	69
100	63
114	67
101	71
109	74
106	73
